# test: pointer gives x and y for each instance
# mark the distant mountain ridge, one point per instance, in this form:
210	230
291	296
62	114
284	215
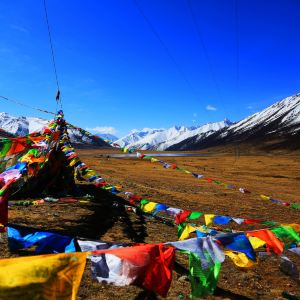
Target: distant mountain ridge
276	127
161	139
21	126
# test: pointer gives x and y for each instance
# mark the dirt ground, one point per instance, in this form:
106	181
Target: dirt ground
276	176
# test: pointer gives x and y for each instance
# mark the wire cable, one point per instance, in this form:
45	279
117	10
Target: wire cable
237	36
204	48
26	105
163	44
58	99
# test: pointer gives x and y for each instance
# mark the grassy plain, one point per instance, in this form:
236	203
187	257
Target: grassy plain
274	175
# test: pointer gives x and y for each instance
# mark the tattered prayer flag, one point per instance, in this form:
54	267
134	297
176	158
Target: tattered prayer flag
54	276
237	242
286	234
203	281
240	259
148	266
195	215
269	238
296	206
207	250
209	219
47	242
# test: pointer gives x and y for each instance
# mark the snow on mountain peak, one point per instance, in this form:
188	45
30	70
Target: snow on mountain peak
160	139
22	126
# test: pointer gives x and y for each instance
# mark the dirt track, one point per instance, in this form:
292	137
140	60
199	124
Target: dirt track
276	176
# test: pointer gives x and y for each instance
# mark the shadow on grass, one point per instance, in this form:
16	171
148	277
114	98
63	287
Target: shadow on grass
91	220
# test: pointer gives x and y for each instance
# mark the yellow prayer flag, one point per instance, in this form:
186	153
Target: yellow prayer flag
154	159
209	219
264	197
149	207
240	259
73	161
187	172
186	232
256	242
53	276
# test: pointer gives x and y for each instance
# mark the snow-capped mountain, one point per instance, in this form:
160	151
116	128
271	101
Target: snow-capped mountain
135	135
160	139
108	136
21	126
276	126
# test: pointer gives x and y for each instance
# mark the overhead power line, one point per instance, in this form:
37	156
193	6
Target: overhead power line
204	48
26	105
237	36
58	99
163	44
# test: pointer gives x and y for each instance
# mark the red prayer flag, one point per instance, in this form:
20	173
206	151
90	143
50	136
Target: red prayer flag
270	238
148	266
181	217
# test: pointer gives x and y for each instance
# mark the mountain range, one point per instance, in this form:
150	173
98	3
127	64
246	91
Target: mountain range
274	128
161	139
21	126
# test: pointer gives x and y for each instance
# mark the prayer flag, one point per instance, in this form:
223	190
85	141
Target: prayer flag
52	276
148	266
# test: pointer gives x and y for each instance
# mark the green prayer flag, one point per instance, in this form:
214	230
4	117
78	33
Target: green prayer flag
5	148
286	234
180	228
269	223
195	215
144	201
203	281
296	206
35	152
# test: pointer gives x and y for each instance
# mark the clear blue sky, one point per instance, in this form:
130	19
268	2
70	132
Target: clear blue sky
114	71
